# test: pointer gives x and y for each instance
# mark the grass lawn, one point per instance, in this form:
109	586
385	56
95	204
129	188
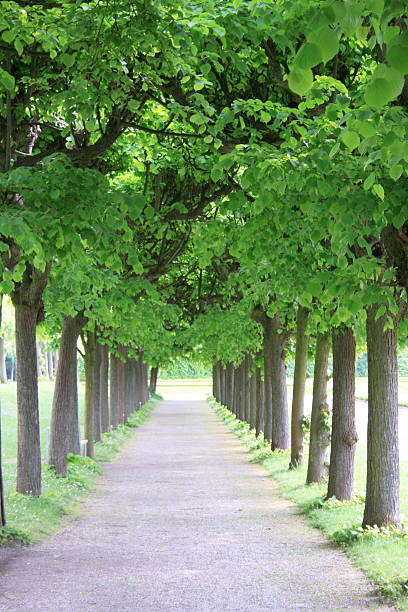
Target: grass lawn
30	518
384	558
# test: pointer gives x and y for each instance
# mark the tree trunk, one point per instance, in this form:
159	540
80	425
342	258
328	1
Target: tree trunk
144	379
241	391
247	388
154	371
114	390
104	388
319	426
144	393
64	437
46	365
130	398
299	384
97	426
89	362
382	505
3	373
215	381
260	402
268	367
230	386
280	417
121	392
223	384
253	400
29	450
50	365
344	434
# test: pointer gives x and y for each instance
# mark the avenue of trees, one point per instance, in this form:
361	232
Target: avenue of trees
219	179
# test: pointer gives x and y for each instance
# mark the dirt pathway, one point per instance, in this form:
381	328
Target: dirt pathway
183	522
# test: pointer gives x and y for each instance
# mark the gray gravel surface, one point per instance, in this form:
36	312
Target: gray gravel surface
182	521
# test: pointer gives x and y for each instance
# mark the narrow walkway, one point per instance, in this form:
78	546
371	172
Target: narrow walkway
183	522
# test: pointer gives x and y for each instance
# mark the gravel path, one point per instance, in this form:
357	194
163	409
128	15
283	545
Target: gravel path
181	521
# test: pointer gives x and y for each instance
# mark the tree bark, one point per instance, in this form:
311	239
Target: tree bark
96	400
299	384
319	426
121	406
29	450
247	388
260	405
239	391
268	367
65	435
50	365
154	372
104	388
114	390
344	434
89	362
3	373
230	386
382	506
222	385
280	417
253	400
216	381
129	384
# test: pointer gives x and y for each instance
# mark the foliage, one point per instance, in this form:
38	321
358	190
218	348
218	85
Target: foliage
183	368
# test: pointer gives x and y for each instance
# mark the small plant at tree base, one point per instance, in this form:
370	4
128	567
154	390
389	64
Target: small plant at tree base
355	532
8	535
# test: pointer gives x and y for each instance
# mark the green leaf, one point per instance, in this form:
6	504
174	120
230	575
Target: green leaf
396	171
300	81
351	139
197	119
6	286
369	182
68	59
375	6
386	85
8	36
7	81
379	190
380	312
198	85
397	53
334	150
19	46
378	93
216	173
309	55
327	41
265	116
392	76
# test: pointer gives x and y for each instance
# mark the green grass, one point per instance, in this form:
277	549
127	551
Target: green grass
384	557
31	518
